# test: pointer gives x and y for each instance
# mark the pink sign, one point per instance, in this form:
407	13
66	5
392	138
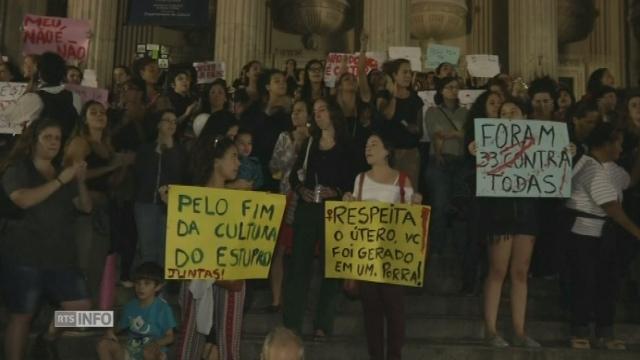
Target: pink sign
89	93
67	37
335	62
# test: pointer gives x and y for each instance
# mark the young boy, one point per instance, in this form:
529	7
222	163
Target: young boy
250	168
148	319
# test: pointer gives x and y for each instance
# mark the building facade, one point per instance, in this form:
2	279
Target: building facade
562	38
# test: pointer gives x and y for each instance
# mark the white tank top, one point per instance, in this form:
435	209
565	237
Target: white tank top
375	191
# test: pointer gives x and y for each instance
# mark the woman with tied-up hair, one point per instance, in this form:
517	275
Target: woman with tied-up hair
326	173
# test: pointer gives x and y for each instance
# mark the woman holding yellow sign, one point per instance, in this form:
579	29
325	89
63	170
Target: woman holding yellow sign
380	301
223	338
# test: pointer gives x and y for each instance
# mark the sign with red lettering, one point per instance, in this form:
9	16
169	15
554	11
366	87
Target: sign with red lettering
336	62
67	37
209	71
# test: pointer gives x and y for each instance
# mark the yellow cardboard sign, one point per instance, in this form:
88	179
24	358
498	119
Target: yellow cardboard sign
378	242
221	234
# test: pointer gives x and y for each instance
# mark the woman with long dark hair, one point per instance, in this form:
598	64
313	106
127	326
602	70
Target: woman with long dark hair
267	119
383	304
159	164
322	172
599	78
509	227
313	86
487	105
92	143
445	174
222	340
37	251
401	108
213	100
285	154
353	95
249	79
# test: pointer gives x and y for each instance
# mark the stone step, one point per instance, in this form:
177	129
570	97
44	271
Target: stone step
433	327
355	348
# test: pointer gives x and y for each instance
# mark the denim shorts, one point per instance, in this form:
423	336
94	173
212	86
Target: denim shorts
24	286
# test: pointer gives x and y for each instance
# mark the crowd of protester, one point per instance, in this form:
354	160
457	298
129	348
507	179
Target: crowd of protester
84	182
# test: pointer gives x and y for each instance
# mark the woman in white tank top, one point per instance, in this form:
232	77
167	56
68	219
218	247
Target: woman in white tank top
380	301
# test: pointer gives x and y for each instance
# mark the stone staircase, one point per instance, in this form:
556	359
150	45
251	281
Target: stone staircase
440	324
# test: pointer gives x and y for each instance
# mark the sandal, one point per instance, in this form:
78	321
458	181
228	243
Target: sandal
611	344
580	343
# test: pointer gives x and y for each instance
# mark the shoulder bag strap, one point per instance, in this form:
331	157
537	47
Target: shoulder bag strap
360	184
448	119
401	181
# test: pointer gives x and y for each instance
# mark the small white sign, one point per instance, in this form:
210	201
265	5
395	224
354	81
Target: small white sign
88	319
483	66
413	54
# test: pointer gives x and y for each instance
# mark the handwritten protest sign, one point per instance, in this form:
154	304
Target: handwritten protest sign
483	65
468	97
10	92
335	62
428	98
438	54
90	93
413	54
373	241
67	37
89	78
209	71
221	234
522	158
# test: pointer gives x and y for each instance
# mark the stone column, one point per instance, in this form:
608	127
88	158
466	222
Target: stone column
13	16
533	38
240	34
128	36
607	43
480	40
103	16
387	23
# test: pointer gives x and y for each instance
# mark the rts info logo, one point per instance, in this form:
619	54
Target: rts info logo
83	319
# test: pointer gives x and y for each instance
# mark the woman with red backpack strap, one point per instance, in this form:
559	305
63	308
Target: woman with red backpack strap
380	301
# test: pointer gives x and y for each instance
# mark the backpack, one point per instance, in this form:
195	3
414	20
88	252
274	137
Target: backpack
60	108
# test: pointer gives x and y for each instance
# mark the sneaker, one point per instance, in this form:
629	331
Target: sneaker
611	344
496	341
580	343
526	342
